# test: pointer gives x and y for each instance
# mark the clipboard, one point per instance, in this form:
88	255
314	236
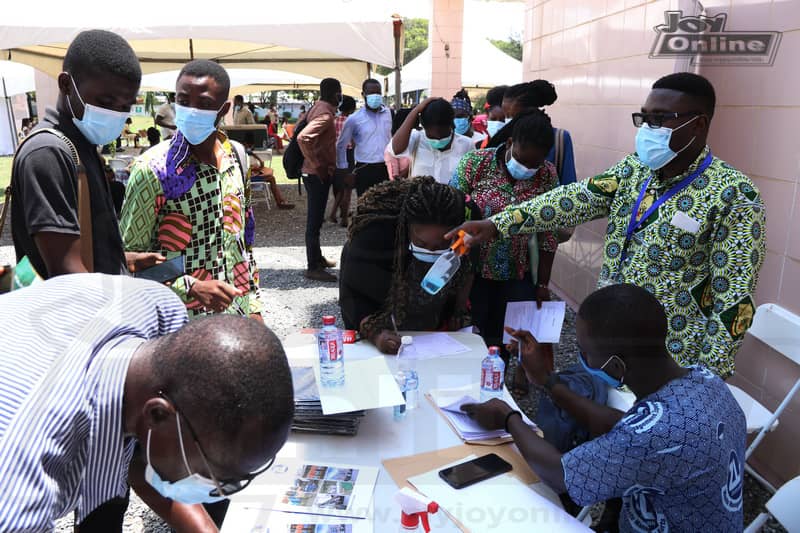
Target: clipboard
402	468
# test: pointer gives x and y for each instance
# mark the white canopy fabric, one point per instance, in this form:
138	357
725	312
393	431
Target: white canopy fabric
483	66
18	78
247	81
319	38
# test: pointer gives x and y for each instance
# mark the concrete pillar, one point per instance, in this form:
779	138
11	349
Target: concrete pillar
446	40
46	92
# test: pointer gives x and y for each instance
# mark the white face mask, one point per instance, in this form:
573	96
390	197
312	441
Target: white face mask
425	255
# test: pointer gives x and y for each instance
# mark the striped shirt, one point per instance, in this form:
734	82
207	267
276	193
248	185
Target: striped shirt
66	345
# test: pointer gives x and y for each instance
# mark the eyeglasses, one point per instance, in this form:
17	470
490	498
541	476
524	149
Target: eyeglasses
656	120
224	488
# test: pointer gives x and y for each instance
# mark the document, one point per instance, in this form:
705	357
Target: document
544	324
368	384
431	345
467	428
503	503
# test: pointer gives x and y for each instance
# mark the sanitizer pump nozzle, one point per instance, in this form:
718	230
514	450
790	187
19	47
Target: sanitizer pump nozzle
446	266
415	509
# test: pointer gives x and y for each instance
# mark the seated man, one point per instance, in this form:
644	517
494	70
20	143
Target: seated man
395	236
261	173
209	403
676	458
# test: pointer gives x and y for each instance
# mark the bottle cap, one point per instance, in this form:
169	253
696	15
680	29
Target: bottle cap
328	320
460	247
494	350
406	340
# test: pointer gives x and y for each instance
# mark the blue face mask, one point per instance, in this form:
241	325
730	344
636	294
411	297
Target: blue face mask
600	373
425	255
652	145
374	101
517	170
461	125
190	490
439	144
99	125
493	126
196	125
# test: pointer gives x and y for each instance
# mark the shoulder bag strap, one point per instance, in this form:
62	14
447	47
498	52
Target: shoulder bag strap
559	151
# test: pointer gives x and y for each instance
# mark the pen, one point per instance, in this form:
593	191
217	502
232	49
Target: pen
394	325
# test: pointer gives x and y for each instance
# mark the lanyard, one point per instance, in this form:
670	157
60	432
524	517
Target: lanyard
634	224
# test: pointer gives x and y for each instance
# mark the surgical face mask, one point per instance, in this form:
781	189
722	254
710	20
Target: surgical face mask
600	373
461	125
236	108
99	125
517	170
439	144
652	145
190	490
195	124
374	101
425	255
493	126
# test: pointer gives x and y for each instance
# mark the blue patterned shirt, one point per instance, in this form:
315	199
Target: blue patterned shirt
67	344
676	459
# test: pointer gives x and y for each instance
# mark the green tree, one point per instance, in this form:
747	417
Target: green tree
511	46
416	41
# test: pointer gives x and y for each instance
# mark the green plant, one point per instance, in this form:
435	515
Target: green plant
416	41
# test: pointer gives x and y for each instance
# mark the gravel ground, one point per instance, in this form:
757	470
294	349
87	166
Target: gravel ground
293	302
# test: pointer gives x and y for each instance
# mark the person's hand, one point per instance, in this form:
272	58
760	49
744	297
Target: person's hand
138	261
387	341
214	295
478	232
535	360
423	104
490	415
542	295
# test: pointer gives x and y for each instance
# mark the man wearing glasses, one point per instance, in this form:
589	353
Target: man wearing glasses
208	404
682	223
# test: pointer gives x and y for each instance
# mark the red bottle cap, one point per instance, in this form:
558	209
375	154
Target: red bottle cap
328	320
494	350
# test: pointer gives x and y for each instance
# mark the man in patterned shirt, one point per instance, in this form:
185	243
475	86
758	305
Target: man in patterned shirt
676	458
188	197
682	223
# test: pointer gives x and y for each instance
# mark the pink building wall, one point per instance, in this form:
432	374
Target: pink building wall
446	40
596	54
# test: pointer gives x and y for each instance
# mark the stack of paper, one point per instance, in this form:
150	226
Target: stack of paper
467	428
545	323
308	416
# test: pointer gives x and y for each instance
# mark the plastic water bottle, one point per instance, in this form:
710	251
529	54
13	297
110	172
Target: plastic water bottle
492	375
331	355
406	377
445	266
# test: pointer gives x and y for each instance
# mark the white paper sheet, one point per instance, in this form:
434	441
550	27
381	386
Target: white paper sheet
368	384
305	487
467	428
431	345
545	323
502	503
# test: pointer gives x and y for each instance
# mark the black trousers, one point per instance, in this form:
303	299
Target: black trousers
369	174
317	200
489	299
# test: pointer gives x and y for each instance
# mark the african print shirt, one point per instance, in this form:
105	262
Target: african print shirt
174	204
676	459
699	253
482	174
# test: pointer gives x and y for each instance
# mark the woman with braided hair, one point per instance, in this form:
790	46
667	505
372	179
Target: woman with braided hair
396	234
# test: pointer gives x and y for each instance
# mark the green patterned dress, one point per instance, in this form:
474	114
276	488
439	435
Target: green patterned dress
699	253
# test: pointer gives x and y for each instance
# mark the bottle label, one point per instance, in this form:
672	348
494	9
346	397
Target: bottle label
333	350
491	379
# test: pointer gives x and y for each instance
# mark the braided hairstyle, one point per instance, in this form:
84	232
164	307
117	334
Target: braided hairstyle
425	202
532	94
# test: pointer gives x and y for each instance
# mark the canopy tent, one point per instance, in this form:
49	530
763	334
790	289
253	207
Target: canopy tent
483	66
15	81
247	81
16	78
318	38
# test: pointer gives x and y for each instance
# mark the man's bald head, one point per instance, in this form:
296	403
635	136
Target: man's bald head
228	375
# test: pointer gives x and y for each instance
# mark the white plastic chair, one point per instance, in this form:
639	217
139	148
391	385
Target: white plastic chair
780	330
783	507
263	186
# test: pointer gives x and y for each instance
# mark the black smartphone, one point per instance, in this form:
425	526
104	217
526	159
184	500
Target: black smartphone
471	472
169	270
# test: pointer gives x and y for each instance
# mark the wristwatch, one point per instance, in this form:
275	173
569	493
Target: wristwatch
552	380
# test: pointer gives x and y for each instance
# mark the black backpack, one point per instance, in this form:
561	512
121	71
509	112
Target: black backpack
293	157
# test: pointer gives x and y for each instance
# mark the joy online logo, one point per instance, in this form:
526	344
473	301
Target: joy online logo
706	42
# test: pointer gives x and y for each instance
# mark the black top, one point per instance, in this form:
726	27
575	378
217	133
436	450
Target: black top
44	184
